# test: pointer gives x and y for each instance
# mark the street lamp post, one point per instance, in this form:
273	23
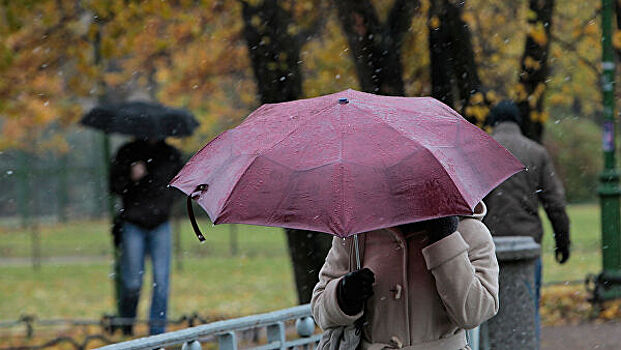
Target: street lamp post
608	284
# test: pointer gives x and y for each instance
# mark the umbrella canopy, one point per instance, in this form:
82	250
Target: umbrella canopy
346	163
141	119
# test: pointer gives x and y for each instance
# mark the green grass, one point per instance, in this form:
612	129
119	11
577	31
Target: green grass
212	281
213	287
585	249
92	238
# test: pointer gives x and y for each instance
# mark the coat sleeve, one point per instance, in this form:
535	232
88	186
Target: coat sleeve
324	305
465	268
552	197
120	183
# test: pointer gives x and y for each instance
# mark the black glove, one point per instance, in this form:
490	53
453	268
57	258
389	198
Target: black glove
440	228
354	289
561	252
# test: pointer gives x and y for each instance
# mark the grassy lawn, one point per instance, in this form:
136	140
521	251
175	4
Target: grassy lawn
212	282
585	249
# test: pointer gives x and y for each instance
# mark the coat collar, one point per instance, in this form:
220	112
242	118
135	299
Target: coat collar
507	128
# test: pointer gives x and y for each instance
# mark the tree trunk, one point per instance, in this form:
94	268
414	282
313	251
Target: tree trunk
464	65
275	54
440	55
376	46
534	68
453	67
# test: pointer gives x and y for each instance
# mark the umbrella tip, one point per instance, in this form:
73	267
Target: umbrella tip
343	100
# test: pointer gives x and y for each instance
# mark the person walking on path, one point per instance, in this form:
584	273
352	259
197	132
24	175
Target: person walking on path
139	174
421	285
513	207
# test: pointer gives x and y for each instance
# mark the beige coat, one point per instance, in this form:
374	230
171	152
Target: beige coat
425	295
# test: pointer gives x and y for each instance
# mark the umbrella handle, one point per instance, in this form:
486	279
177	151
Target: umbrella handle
197	230
357	250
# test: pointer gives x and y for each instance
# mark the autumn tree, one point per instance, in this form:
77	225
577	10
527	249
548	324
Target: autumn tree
450	35
376	45
454	78
534	68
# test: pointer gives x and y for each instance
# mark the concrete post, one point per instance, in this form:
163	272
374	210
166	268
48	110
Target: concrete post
514	325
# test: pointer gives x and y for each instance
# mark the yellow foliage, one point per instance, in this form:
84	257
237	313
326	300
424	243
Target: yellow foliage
591	29
434	23
520	92
477	98
538	33
531	63
616	39
468	17
491	96
531	15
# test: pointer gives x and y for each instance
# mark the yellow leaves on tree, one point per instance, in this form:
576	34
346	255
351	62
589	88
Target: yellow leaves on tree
434	22
616	39
538	33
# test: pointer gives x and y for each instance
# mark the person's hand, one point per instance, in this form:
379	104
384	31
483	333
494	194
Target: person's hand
561	252
354	289
440	228
138	170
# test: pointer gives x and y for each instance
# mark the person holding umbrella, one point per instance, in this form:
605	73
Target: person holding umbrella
398	180
139	174
421	284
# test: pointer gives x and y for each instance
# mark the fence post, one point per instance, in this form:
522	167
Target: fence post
276	333
23	176
227	341
62	189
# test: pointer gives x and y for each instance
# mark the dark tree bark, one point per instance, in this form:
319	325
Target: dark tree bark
465	68
376	46
534	69
275	53
453	67
440	55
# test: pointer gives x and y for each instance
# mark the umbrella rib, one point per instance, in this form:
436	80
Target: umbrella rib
434	157
448	175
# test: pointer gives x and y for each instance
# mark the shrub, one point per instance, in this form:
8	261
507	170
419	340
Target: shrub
575	147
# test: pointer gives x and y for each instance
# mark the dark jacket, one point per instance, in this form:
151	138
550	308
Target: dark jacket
146	202
513	206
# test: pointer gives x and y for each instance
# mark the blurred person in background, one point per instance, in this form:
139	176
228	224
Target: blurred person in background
513	207
139	174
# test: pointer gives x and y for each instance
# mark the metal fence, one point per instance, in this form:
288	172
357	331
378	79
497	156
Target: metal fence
56	186
225	334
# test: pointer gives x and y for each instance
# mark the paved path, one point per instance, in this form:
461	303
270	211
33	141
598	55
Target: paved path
605	336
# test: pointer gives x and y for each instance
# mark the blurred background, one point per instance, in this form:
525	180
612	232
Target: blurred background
220	59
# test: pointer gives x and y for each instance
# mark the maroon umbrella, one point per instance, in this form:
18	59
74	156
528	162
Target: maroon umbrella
346	163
